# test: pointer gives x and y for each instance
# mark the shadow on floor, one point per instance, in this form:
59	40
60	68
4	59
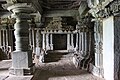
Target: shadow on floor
57	70
47	74
53	56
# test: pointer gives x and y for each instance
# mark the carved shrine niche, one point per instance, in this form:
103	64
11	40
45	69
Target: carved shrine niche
57	23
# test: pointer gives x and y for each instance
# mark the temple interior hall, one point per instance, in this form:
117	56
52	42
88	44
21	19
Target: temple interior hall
59	39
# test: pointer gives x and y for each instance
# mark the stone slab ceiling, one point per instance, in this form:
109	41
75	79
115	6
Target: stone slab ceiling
61	4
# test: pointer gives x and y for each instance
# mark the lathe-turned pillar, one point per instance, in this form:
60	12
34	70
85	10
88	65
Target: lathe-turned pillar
22	56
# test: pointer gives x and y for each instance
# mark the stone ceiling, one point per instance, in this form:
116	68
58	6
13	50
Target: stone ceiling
60	4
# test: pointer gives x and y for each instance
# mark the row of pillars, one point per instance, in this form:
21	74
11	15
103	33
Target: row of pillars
84	46
6	42
47	41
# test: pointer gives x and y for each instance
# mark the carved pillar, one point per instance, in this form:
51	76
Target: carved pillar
86	40
80	41
33	39
43	42
30	38
0	37
111	47
98	48
76	47
4	40
72	43
47	42
51	42
68	41
83	41
38	42
22	56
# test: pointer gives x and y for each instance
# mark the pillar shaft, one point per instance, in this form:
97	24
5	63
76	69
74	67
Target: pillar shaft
43	41
72	43
47	42
68	41
51	41
33	39
80	41
38	43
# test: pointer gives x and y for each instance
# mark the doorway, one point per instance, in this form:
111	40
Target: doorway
59	41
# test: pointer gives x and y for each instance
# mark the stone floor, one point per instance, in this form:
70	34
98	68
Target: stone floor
4	72
63	69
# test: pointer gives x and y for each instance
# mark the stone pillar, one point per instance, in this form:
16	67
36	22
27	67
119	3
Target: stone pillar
83	41
4	40
37	43
43	42
98	69
30	38
72	43
111	48
80	41
76	47
0	38
7	38
22	56
47	42
33	39
68	41
51	42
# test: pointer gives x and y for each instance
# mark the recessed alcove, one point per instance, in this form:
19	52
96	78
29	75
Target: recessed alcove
59	41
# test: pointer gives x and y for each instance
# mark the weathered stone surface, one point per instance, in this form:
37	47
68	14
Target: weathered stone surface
64	69
5	64
111	48
117	47
20	59
19	78
3	77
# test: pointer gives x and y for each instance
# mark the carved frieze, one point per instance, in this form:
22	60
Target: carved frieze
111	9
58	24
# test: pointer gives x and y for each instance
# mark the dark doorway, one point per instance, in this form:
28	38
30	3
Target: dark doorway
59	41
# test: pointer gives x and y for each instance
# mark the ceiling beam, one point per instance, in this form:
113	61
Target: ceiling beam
67	13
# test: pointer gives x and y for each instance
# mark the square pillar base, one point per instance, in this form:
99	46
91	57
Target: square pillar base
21	72
97	71
21	63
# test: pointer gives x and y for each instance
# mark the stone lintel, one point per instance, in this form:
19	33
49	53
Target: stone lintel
61	13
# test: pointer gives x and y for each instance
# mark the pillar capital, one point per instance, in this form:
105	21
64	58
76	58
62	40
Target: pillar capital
21	10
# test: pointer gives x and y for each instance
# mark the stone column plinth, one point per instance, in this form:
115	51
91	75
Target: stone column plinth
22	56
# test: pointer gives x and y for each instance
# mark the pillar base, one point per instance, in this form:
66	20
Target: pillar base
21	63
71	49
21	71
97	71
